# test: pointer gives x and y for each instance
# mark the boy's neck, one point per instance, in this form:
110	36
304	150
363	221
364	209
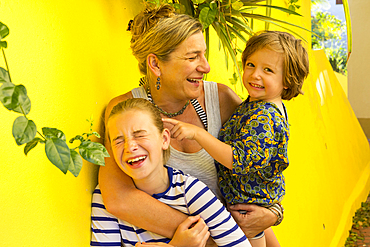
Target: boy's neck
157	182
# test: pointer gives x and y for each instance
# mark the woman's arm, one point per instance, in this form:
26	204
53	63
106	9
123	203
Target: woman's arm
122	199
229	101
223	229
256	220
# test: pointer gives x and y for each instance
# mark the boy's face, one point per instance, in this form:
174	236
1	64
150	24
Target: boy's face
137	144
263	75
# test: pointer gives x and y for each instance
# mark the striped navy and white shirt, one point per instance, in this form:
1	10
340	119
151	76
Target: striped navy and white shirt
186	194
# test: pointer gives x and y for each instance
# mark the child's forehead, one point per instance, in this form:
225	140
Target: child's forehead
131	120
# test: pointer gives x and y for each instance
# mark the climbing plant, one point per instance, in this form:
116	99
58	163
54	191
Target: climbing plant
15	98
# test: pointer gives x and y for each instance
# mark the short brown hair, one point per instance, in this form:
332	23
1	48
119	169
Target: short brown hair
296	65
160	31
142	105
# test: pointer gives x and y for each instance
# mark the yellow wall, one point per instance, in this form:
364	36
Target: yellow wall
73	56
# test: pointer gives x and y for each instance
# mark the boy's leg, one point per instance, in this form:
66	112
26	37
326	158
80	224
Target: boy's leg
258	242
271	240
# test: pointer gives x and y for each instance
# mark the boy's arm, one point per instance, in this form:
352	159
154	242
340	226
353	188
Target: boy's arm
218	150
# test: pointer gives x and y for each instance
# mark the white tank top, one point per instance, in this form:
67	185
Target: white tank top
200	164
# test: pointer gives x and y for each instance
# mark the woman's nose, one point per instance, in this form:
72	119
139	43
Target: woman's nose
204	66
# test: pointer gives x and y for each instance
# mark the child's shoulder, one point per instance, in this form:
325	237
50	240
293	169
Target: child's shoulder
261	106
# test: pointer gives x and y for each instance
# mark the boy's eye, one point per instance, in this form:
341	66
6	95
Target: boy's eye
250	64
268	70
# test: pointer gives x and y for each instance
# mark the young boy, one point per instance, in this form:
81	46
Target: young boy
251	152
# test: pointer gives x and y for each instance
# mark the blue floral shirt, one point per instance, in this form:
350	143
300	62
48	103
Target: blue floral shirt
258	134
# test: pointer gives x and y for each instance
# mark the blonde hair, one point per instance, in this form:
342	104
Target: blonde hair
296	64
145	106
160	31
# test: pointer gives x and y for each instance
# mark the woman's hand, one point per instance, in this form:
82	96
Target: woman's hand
192	232
256	219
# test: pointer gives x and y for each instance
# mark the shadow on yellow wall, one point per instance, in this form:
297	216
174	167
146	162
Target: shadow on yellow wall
329	172
74	56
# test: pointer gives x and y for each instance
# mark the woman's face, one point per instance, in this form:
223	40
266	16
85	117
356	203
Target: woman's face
182	73
137	144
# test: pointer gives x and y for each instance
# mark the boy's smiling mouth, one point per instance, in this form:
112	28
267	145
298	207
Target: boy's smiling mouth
256	85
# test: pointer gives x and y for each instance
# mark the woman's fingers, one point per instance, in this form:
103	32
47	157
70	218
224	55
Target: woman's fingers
190	222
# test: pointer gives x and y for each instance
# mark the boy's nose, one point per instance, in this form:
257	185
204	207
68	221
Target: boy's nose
256	74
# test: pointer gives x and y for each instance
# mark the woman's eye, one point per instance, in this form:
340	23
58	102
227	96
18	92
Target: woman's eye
193	58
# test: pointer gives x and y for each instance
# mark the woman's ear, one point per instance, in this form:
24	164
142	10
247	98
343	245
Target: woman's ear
166	139
153	64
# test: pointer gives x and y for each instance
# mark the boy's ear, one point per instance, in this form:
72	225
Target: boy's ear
166	139
153	64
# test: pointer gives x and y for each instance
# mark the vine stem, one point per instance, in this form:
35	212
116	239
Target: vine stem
24	114
6	63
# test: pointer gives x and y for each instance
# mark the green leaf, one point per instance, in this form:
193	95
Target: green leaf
198	1
221	32
75	164
58	153
31	144
24	130
237	5
189	7
4	44
93	152
213	5
14	97
6	95
96	134
77	137
50	133
4	75
274	21
20	98
207	16
4	31
274	7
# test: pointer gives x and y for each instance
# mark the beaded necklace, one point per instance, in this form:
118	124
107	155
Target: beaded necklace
198	108
168	114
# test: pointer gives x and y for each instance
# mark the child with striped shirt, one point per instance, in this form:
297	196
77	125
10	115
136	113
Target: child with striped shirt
140	147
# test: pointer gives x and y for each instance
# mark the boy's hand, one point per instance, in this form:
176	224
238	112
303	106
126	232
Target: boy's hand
181	130
193	232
